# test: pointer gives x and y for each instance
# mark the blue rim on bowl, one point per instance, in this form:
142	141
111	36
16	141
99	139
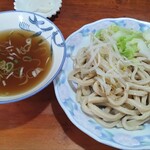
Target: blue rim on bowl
30	21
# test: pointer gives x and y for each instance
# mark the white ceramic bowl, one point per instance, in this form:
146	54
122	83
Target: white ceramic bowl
115	137
46	8
47	29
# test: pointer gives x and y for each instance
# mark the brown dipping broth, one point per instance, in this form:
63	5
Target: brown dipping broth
25	60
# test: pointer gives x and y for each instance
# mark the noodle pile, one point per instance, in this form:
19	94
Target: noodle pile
111	88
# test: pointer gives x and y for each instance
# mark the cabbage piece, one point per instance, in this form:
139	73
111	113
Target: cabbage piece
146	35
128	41
125	47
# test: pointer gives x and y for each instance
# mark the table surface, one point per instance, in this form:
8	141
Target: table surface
39	123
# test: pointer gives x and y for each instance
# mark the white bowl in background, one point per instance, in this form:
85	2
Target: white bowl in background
46	8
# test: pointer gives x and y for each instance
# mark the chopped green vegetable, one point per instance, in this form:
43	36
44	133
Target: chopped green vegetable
128	41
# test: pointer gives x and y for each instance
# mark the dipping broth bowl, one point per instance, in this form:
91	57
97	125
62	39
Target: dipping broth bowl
37	27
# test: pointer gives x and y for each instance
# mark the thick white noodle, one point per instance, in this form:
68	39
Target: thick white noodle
113	90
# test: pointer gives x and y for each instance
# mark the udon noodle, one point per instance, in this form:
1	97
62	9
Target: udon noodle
112	89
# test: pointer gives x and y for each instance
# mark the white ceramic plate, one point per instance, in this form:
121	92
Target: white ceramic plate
118	138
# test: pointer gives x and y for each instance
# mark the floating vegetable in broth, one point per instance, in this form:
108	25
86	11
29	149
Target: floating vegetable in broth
24	61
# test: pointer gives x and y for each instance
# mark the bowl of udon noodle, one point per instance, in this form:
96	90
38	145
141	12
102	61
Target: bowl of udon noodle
32	52
106	82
